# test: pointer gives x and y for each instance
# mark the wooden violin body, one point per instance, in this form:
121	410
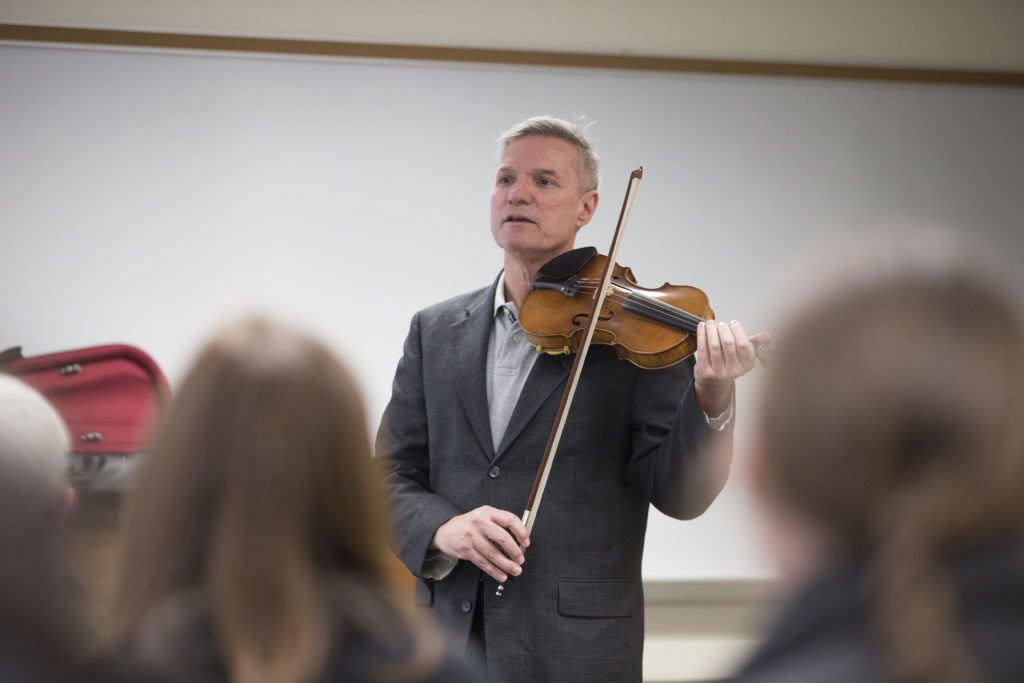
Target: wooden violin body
652	328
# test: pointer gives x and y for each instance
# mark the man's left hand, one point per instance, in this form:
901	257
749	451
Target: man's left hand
724	352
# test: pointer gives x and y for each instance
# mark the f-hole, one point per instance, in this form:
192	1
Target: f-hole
583	316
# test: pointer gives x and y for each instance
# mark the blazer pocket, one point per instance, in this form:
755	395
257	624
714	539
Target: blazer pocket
598	599
424	593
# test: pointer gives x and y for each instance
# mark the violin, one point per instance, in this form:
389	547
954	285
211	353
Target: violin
651	328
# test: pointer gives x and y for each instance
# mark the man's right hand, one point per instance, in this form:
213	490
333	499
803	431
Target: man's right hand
491	539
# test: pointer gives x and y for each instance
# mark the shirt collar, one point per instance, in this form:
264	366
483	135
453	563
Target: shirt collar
500	301
499	293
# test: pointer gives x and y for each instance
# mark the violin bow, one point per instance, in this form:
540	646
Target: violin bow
541	481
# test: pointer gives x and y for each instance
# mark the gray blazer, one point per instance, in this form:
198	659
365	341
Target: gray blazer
633	437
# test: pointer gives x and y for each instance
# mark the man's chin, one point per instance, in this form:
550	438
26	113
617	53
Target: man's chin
531	251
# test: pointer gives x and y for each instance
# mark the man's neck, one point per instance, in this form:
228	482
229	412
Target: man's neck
518	281
520	273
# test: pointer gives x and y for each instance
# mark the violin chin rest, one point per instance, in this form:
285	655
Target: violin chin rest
568	264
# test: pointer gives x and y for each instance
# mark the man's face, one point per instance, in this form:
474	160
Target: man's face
538	202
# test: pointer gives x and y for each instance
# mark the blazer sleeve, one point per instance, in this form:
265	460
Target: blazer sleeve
678	461
403	448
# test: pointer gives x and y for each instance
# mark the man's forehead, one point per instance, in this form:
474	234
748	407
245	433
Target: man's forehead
548	154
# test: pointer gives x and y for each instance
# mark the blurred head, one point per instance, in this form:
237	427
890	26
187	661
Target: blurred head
890	424
259	488
46	619
896	394
34	444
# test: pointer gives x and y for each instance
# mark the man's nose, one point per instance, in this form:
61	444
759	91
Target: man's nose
519	192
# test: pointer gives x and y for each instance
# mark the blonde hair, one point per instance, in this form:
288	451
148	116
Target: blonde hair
891	418
261	497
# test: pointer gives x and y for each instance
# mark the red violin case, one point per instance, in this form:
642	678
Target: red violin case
110	398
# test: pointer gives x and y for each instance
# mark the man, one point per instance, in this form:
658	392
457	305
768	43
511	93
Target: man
471	410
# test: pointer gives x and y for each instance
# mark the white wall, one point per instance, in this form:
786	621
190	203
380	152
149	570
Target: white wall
146	197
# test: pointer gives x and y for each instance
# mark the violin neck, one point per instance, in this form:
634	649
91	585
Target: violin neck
667	314
649	307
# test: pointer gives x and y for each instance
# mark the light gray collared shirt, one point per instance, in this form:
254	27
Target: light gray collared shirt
510	357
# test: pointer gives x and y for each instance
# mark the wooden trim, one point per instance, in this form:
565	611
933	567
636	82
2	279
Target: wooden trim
24	33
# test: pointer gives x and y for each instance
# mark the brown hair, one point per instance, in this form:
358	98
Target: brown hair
260	496
891	419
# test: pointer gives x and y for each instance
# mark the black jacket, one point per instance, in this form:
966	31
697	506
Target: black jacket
823	633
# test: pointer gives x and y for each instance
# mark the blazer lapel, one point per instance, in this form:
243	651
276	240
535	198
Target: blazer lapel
472	333
549	373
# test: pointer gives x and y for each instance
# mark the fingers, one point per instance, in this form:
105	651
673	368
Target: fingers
715	352
494	563
724	351
491	539
702	341
520	537
742	348
498	555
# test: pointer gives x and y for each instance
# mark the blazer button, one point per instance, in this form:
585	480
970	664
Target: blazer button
494	472
467	606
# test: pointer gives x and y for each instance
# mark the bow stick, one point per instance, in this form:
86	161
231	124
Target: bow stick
530	514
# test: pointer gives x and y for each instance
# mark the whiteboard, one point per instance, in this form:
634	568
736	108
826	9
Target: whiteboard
145	197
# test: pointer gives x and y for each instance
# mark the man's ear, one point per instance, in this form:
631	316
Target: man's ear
588	205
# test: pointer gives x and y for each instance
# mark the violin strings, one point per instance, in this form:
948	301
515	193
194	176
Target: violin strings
646	305
684	319
763	351
649	307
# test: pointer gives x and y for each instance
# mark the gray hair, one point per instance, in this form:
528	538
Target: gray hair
550	127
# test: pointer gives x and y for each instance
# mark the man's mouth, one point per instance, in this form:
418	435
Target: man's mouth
519	219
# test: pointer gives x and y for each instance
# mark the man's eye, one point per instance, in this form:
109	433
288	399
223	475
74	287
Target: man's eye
544	181
504	180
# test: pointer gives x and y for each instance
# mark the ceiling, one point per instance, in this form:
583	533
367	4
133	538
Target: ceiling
977	35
